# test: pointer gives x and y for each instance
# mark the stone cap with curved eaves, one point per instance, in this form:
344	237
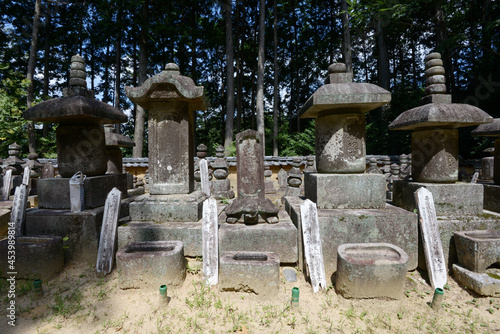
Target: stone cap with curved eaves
440	115
115	139
168	86
74	108
488	130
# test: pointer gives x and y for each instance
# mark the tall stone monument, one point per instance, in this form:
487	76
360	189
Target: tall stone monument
351	203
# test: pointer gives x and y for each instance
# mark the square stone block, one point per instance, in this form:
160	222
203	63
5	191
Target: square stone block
280	238
168	208
254	272
346	191
450	199
477	250
340	226
187	232
151	264
492	197
481	283
53	193
449	225
83	229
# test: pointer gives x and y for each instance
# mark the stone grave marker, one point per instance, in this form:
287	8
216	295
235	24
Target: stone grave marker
26	176
312	244
7	184
210	242
474	177
106	251
47	171
205	181
18	212
433	250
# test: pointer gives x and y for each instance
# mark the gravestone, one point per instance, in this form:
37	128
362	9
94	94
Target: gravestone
201	153
18	211
221	185
431	239
7	184
26	176
47	171
267	177
13	162
251	206
312	245
282	179
205	182
106	252
114	142
210	242
294	179
373	169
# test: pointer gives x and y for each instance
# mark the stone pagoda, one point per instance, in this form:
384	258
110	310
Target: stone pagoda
492	190
81	147
172	210
434	164
351	203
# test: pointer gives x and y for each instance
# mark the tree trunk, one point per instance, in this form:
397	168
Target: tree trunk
105	98
228	138
383	57
239	64
48	28
31	72
276	82
260	74
143	58
118	61
346	37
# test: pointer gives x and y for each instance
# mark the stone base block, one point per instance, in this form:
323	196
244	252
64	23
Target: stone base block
168	208
53	193
482	284
253	272
187	232
4	222
449	225
36	257
371	270
477	250
492	197
136	191
151	264
82	229
450	199
345	191
280	238
340	226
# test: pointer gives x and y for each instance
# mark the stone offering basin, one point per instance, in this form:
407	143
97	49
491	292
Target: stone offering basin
478	249
371	270
254	272
35	257
150	264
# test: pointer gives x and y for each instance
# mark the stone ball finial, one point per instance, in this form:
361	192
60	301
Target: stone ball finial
172	67
219	151
77	74
434	73
201	151
337	68
32	156
14	149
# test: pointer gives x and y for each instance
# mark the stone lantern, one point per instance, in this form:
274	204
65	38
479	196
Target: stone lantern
114	141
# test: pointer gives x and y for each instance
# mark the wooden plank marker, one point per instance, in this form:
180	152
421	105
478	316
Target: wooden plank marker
210	240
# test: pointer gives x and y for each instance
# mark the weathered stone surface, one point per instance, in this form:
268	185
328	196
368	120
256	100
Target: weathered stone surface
18	211
340	143
477	249
172	208
487	168
150	264
205	182
488	130
188	232
47	171
431	240
371	270
4	221
114	141
456	199
492	197
339	226
280	238
210	237
37	256
481	283
290	275
343	191
253	272
106	250
435	155
82	229
6	185
54	193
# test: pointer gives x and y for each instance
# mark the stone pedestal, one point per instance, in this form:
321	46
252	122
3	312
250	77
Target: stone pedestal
492	197
482	284
450	199
487	168
54	193
346	191
339	226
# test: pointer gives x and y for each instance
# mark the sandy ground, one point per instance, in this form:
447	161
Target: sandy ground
78	302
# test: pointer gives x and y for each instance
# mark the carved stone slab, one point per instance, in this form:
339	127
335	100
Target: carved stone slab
312	244
7	185
210	239
18	213
26	176
205	181
106	251
433	249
